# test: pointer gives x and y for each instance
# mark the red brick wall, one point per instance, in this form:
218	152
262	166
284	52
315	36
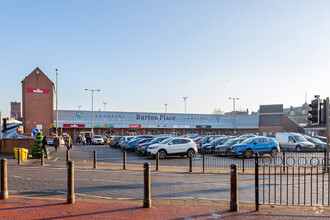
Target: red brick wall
8	144
37	108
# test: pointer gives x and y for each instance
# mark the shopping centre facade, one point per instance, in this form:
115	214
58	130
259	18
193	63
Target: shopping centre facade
38	112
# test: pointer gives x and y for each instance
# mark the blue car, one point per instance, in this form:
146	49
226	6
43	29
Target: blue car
133	143
261	145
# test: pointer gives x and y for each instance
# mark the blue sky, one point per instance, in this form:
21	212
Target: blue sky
143	54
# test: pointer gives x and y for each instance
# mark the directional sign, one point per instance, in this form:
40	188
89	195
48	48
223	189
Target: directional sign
34	132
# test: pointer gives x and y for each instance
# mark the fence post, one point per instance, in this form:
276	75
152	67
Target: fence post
243	163
201	146
203	161
42	157
19	156
190	163
124	160
147	186
67	157
71	196
234	207
4	183
95	159
157	161
283	160
256	180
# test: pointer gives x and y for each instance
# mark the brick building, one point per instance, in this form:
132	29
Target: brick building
15	110
38	102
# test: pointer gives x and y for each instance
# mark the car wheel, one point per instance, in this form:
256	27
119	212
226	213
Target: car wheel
190	153
298	148
318	148
162	154
248	153
273	152
227	153
182	155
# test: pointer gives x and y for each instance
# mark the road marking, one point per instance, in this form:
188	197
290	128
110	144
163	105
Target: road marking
55	159
19	177
85	161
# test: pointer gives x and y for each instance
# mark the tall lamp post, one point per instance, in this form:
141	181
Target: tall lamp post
234	100
165	108
105	106
92	90
185	102
56	132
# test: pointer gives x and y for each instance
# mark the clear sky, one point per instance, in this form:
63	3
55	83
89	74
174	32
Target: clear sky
143	54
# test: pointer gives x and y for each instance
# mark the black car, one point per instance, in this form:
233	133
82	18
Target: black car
319	145
142	148
209	148
225	148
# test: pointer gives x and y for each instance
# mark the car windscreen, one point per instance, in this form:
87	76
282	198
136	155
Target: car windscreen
248	141
166	141
97	137
300	138
231	142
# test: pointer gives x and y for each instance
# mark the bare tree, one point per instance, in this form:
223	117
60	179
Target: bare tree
217	111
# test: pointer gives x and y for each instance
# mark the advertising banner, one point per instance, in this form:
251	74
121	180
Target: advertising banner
38	91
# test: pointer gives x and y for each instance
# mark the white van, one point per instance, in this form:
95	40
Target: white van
294	142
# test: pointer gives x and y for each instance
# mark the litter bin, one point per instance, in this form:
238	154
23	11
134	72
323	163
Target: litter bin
16	152
24	153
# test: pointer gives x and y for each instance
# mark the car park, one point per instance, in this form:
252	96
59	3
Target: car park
294	142
225	148
261	145
97	139
321	138
173	147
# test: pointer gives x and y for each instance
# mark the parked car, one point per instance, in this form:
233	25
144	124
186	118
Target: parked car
173	146
209	148
124	140
115	141
225	148
97	139
132	143
294	142
50	140
321	138
319	145
142	148
261	145
246	136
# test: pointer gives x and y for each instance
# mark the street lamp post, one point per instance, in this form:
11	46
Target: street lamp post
105	106
92	90
56	132
165	108
185	106
234	100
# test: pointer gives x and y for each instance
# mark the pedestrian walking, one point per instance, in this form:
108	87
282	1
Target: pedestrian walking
44	146
68	142
83	140
79	140
56	142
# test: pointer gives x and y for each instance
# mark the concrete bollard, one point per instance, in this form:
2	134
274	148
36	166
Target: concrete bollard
42	158
95	159
157	161
71	196
19	156
4	183
67	155
233	188
190	163
124	160
147	186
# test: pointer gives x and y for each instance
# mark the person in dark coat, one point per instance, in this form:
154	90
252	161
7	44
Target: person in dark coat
44	146
56	142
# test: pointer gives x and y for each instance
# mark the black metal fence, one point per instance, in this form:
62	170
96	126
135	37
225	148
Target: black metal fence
212	161
293	179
